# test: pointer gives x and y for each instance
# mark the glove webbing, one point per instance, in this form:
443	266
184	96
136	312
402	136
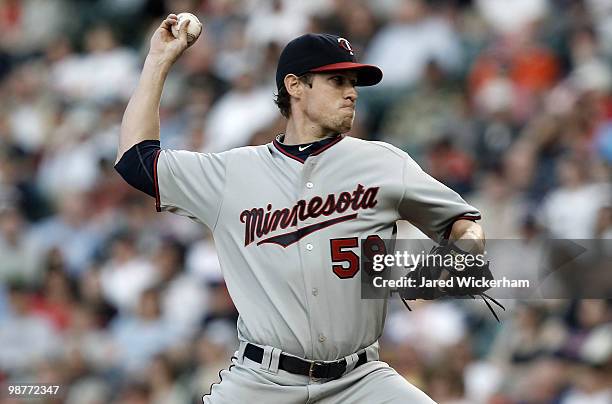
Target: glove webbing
484	297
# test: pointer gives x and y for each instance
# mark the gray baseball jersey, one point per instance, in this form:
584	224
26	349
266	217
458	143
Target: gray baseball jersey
287	232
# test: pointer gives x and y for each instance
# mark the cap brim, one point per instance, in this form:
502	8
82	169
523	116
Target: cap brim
367	75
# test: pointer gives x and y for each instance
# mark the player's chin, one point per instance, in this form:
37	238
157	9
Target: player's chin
343	128
345	125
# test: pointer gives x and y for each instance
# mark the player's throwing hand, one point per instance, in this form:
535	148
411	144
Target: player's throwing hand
164	45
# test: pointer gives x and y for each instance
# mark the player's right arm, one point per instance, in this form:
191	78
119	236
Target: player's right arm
141	118
183	182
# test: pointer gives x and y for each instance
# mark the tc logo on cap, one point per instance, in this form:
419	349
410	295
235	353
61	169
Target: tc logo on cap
346	45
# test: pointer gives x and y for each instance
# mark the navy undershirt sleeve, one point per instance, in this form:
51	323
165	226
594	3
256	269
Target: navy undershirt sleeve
137	166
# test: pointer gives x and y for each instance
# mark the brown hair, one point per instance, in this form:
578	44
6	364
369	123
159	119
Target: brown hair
283	99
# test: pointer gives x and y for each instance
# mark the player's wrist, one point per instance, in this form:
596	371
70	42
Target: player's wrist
158	61
468	245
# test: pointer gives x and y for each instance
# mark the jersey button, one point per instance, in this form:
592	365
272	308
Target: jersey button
309	247
315	291
309	185
322	338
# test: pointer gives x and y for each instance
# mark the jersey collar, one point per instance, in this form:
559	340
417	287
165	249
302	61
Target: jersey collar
302	151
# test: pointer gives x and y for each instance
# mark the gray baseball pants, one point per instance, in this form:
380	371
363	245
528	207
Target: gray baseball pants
374	382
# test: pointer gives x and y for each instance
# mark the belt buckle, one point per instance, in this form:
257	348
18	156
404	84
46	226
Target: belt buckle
314	364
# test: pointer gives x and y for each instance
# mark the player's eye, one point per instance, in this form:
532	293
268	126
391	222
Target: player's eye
341	81
338	80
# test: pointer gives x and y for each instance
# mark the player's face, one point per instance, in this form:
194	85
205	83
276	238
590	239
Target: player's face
330	102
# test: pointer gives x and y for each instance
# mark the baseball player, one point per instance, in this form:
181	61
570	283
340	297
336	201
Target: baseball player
288	218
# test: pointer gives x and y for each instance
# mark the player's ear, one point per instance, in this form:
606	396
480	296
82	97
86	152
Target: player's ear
292	84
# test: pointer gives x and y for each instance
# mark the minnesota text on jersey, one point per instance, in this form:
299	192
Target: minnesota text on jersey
258	224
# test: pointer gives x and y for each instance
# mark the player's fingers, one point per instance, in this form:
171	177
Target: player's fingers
183	30
166	24
169	22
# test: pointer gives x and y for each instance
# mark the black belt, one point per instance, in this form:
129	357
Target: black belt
313	369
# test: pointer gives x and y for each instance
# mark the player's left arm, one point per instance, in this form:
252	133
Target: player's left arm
468	235
438	211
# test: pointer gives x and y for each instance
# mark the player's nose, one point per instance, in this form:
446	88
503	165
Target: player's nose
352	94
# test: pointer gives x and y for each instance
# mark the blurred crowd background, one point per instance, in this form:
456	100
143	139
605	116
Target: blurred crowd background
507	102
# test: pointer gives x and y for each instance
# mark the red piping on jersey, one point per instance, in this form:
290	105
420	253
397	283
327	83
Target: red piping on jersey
327	146
280	148
157	201
286	153
449	229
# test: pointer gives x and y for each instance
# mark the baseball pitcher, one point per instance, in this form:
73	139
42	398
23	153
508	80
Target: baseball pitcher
288	218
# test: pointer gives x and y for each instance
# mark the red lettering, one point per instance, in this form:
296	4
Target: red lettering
258	222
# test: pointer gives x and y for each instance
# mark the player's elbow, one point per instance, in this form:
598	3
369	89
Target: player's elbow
137	166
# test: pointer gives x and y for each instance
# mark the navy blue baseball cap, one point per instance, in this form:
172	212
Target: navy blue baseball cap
323	53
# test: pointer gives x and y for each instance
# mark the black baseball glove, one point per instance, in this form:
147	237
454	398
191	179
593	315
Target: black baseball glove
449	272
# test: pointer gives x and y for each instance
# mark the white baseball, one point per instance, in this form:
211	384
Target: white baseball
193	30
